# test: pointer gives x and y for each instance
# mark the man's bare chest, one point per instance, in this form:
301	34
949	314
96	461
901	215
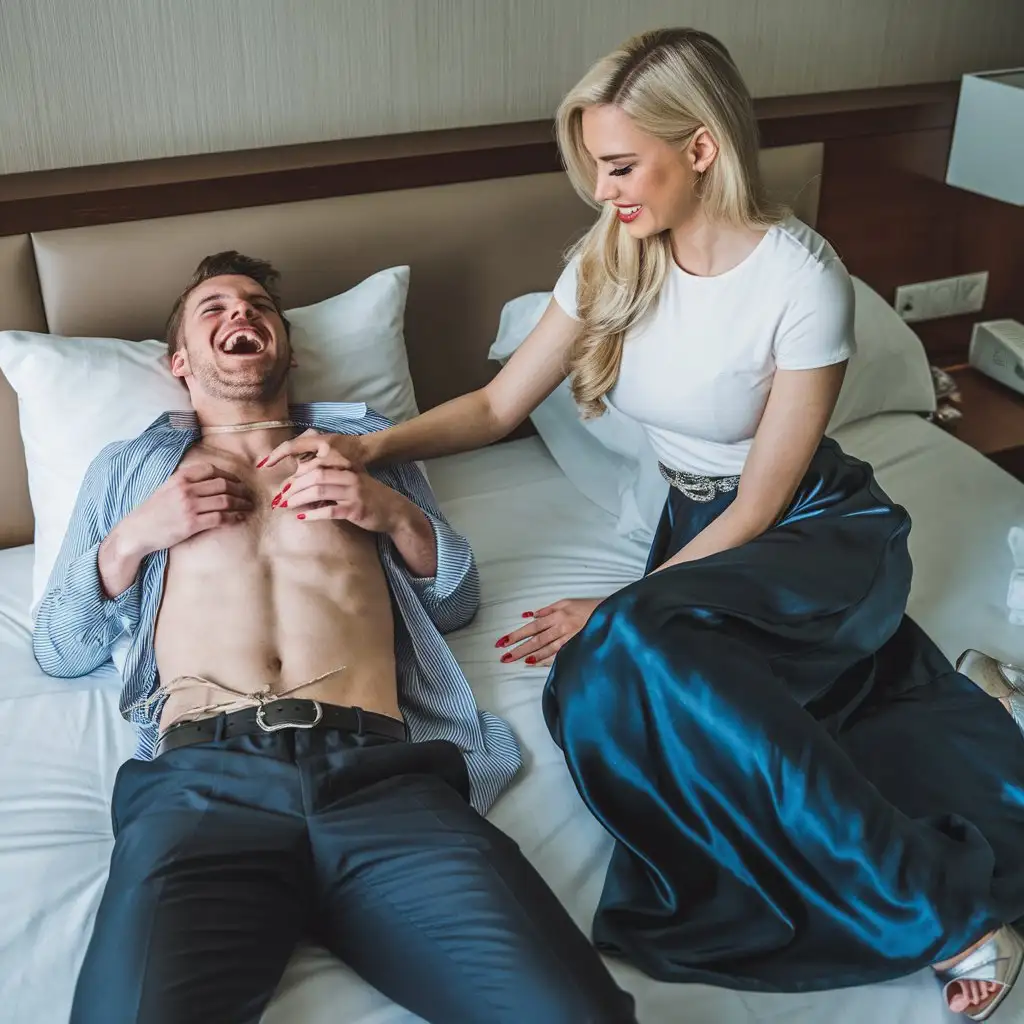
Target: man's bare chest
267	533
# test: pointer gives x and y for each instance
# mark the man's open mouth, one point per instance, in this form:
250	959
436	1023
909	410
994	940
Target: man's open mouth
243	342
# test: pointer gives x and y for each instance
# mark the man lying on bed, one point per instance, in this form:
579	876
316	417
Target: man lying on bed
309	747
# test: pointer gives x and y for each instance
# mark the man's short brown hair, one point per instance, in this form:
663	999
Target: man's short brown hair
221	264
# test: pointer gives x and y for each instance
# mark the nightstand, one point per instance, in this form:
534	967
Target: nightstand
992	420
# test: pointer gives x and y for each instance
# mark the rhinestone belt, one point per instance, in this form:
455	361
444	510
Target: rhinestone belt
699	488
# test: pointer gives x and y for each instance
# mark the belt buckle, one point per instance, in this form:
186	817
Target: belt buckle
260	721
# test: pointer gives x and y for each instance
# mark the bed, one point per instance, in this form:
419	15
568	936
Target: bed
536	540
536	536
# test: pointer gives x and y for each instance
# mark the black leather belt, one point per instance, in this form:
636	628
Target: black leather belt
282	714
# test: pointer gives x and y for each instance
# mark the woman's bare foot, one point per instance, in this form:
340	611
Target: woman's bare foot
968	995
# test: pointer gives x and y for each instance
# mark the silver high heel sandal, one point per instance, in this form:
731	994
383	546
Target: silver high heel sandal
997	678
1001	957
998	960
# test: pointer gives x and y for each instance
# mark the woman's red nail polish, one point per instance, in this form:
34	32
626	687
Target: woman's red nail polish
284	504
527	615
506	657
502	642
277	498
301	515
285	488
262	462
531	660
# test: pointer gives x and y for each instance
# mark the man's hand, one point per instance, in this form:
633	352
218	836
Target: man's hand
312	444
193	499
550	630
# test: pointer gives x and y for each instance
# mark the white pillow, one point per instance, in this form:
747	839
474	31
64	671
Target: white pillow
351	347
76	395
889	372
609	458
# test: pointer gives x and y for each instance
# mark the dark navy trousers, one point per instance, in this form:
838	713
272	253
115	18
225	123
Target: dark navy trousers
227	853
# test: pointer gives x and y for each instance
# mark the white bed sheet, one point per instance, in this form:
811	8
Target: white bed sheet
536	540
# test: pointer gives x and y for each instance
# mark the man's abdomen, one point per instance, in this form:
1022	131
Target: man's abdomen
271	604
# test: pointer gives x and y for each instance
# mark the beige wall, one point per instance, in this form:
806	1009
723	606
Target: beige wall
97	81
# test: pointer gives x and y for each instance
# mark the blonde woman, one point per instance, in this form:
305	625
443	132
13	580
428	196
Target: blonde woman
804	792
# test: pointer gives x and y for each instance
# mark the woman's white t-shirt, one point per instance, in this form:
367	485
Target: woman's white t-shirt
697	370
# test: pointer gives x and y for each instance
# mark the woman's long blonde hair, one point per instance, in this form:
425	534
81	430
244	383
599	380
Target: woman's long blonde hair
671	83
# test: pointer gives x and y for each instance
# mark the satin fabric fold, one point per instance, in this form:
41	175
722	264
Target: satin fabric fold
803	792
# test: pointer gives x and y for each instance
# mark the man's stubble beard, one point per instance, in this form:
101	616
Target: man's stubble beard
255	389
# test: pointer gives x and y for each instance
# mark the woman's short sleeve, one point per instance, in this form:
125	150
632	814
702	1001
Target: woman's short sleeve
565	287
817	329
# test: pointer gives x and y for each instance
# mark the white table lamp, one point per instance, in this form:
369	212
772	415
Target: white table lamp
987	155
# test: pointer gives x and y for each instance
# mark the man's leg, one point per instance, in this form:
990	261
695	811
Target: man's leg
205	899
441	911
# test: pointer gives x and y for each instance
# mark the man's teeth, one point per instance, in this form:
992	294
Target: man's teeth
250	340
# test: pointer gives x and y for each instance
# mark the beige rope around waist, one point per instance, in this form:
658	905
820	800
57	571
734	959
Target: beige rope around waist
238	702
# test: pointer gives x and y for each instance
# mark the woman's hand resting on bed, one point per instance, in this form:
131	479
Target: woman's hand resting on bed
549	630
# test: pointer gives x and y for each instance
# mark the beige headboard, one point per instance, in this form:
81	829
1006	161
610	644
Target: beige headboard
22	310
472	246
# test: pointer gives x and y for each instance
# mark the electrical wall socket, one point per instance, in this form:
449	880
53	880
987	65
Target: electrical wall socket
949	296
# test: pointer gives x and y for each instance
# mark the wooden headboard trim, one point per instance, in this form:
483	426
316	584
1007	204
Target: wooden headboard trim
139	190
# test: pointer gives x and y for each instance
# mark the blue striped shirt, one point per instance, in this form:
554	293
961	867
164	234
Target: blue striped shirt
78	627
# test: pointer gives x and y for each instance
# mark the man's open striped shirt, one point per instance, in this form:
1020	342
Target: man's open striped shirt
78	627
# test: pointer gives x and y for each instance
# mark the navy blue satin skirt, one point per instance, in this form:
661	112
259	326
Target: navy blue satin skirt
803	792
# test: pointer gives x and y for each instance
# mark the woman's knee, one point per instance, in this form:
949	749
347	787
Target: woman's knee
621	615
